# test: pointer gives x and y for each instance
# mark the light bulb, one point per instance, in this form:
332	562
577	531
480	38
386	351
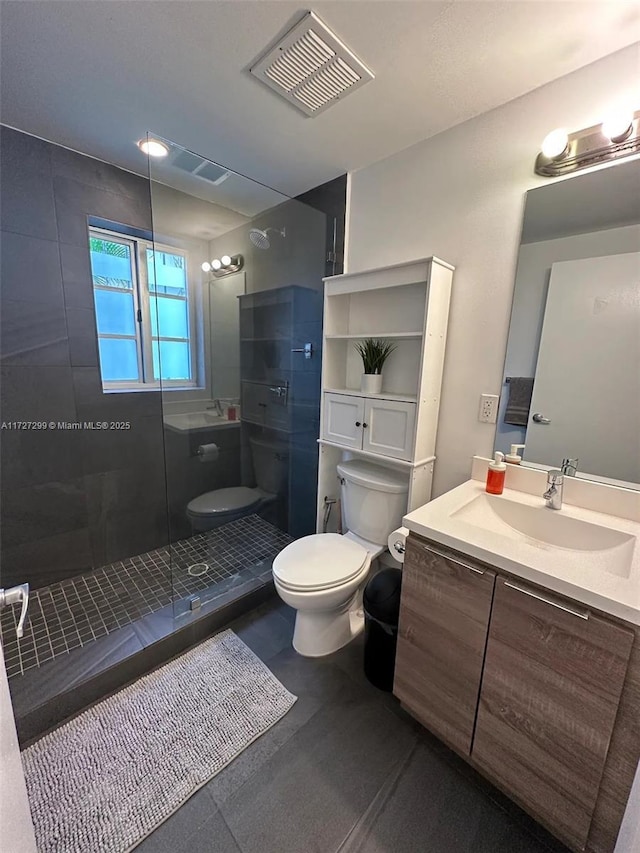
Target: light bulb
226	261
153	147
206	267
216	264
555	144
617	126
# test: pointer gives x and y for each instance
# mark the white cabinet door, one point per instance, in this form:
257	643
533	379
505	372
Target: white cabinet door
343	417
388	428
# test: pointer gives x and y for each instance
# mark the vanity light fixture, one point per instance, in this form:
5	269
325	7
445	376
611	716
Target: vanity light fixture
224	265
153	147
554	145
616	138
617	126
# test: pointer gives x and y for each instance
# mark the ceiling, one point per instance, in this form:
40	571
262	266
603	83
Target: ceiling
96	75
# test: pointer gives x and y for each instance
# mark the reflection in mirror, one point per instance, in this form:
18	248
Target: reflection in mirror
572	369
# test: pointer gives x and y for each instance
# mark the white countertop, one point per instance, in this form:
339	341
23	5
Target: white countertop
584	576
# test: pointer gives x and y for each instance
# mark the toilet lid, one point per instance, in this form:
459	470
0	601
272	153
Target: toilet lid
223	501
320	561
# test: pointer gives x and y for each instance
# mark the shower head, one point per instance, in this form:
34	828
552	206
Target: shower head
261	239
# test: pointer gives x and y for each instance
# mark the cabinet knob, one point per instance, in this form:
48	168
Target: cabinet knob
358	423
364	426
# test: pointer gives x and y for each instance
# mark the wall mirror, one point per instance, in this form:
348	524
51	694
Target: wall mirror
571	383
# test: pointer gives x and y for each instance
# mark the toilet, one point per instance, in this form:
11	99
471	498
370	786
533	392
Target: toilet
218	507
323	576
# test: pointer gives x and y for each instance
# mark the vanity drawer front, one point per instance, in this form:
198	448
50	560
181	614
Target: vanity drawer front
551	686
444	619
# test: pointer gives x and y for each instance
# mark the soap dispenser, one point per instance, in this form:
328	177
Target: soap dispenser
496	474
512	457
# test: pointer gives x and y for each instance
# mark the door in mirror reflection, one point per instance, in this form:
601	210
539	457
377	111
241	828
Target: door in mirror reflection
587	379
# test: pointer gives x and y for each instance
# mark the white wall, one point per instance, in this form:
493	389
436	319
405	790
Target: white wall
460	195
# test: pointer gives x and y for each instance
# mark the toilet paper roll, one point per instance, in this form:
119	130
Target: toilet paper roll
208	452
397	542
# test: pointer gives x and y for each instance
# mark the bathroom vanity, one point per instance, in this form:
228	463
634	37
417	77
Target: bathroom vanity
523	654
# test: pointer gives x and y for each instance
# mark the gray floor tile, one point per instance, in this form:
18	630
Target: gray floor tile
316	685
265	631
309	795
213	836
429	806
187	822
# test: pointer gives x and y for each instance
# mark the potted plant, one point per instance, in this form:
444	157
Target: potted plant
373	352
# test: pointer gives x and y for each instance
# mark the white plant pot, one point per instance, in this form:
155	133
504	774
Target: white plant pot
371	383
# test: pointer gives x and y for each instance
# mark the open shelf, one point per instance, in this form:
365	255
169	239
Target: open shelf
355	392
370	334
385	460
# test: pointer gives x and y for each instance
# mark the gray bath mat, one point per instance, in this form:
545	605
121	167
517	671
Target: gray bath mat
109	777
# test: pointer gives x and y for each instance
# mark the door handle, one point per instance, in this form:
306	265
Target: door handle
17	595
452	559
539	418
545	600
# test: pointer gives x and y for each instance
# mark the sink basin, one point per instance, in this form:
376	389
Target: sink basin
540	523
587	555
194	421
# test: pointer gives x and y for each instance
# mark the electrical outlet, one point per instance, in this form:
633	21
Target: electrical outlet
488	413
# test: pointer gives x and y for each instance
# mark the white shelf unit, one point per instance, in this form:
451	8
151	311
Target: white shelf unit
407	304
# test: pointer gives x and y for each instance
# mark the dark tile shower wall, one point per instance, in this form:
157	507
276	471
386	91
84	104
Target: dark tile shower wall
70	500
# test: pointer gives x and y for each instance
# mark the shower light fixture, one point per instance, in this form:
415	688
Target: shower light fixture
616	138
224	265
153	147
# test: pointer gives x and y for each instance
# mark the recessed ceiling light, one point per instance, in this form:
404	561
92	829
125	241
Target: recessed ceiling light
153	147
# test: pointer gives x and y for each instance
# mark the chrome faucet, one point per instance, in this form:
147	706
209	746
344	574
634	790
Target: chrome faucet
570	466
553	495
217	405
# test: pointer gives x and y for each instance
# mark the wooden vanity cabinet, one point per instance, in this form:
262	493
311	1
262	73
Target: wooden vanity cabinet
444	620
551	686
537	692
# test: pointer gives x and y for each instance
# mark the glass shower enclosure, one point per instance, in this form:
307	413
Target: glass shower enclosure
238	353
160	378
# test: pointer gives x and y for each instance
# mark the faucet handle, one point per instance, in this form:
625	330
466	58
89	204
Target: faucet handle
570	466
555	477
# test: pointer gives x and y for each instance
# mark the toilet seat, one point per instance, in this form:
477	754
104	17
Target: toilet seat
224	501
318	562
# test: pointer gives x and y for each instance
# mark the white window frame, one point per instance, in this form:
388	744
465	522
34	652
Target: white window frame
142	307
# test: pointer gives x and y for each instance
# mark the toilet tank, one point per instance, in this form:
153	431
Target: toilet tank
270	464
374	499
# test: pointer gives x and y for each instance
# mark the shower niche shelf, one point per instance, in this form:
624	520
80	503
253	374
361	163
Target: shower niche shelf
408	305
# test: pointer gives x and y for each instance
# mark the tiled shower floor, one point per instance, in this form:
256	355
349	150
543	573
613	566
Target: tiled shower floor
76	611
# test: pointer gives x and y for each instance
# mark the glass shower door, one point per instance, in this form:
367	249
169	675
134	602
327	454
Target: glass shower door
236	308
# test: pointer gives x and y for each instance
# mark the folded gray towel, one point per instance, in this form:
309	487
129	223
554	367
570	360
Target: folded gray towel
520	390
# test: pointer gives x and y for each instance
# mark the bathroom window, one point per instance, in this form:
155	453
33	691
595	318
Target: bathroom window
143	316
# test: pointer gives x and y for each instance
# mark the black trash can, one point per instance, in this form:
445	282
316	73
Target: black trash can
381	604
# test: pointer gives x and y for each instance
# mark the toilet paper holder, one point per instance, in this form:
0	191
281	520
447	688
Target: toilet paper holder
399	546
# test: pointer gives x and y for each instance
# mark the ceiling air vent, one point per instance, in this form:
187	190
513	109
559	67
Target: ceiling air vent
194	165
311	67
